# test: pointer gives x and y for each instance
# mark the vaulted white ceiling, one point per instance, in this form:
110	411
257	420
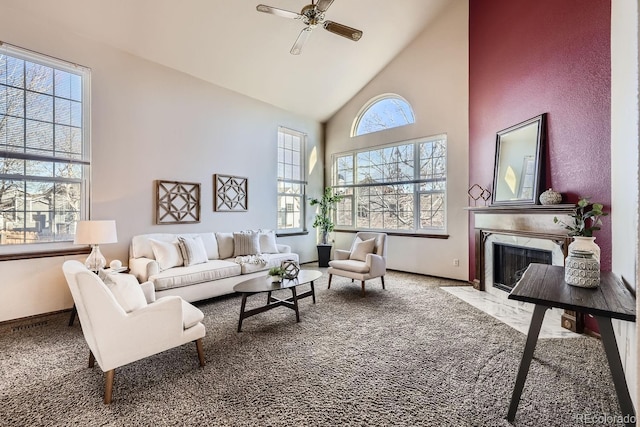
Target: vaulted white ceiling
230	44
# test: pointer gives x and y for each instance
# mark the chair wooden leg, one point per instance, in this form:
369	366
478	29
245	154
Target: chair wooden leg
92	359
363	288
200	351
329	286
108	386
382	278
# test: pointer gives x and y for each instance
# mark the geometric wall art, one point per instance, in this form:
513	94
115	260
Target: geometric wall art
230	193
177	202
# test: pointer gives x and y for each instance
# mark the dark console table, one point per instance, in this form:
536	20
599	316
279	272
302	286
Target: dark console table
544	286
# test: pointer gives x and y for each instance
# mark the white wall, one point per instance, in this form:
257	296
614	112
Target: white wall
624	175
148	123
432	74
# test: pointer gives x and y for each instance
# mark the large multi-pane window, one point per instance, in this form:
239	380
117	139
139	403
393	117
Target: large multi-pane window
291	180
398	187
44	148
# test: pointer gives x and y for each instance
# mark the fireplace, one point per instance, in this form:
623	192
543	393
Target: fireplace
529	228
510	262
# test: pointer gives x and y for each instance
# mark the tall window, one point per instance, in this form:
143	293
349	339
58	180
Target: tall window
399	187
291	180
44	148
383	112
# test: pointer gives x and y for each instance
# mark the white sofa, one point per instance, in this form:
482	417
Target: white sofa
230	258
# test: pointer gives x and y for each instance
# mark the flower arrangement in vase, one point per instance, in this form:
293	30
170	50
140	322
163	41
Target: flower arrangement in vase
586	219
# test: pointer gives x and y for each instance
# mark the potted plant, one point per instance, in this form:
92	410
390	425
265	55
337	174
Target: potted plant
324	223
586	219
276	274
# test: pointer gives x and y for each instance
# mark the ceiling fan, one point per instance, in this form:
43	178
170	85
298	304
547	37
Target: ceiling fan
312	15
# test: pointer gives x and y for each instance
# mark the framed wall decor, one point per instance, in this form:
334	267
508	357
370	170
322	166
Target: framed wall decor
230	193
177	202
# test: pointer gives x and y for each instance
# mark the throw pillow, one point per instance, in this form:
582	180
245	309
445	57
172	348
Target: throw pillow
362	248
126	290
225	245
246	243
268	243
167	254
192	250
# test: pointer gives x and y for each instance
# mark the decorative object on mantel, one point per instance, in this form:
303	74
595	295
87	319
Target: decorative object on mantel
476	192
290	269
230	193
582	269
550	197
177	202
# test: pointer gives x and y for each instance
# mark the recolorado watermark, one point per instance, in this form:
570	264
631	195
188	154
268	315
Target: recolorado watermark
604	419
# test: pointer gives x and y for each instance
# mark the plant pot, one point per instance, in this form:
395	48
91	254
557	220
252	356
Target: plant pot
585	244
324	255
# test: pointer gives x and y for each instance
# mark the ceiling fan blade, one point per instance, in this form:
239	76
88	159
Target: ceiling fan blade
342	30
301	40
278	12
323	5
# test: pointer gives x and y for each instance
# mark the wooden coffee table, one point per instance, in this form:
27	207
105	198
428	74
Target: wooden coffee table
264	284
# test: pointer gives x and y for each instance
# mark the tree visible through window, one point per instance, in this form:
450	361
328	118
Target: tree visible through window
399	187
291	182
44	155
383	112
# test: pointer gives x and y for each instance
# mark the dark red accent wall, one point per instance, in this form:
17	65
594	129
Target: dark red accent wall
528	57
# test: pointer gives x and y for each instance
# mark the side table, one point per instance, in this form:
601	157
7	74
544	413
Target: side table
544	286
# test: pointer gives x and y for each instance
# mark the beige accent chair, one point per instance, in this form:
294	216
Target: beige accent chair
365	260
116	337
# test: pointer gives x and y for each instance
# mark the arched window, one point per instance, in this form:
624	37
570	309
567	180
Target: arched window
383	112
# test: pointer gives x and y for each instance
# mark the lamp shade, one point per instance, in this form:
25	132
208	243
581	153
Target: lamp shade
96	232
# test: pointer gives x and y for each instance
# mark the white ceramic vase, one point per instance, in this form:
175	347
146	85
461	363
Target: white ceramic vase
586	244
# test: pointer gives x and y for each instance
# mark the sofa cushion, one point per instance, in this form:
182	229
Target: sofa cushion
225	245
192	250
191	315
205	272
167	254
246	243
210	245
361	248
126	290
268	243
141	244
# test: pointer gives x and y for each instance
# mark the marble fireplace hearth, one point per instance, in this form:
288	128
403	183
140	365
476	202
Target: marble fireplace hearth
532	229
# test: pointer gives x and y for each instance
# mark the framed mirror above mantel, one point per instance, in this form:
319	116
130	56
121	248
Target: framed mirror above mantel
519	163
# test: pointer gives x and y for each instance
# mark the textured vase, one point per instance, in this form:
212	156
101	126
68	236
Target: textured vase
550	197
582	269
585	244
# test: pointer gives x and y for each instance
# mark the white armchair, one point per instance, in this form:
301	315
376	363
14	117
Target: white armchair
367	259
118	331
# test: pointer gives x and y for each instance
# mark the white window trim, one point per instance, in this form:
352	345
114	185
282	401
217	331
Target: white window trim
303	198
50	248
369	104
354	209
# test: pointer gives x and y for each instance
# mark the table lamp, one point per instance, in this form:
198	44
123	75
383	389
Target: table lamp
95	233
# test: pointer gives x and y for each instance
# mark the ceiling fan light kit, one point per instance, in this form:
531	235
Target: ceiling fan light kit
312	15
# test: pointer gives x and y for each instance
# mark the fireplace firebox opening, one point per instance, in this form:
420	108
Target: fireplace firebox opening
510	262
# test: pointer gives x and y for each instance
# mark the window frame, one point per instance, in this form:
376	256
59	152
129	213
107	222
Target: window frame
370	104
352	198
83	161
302	137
